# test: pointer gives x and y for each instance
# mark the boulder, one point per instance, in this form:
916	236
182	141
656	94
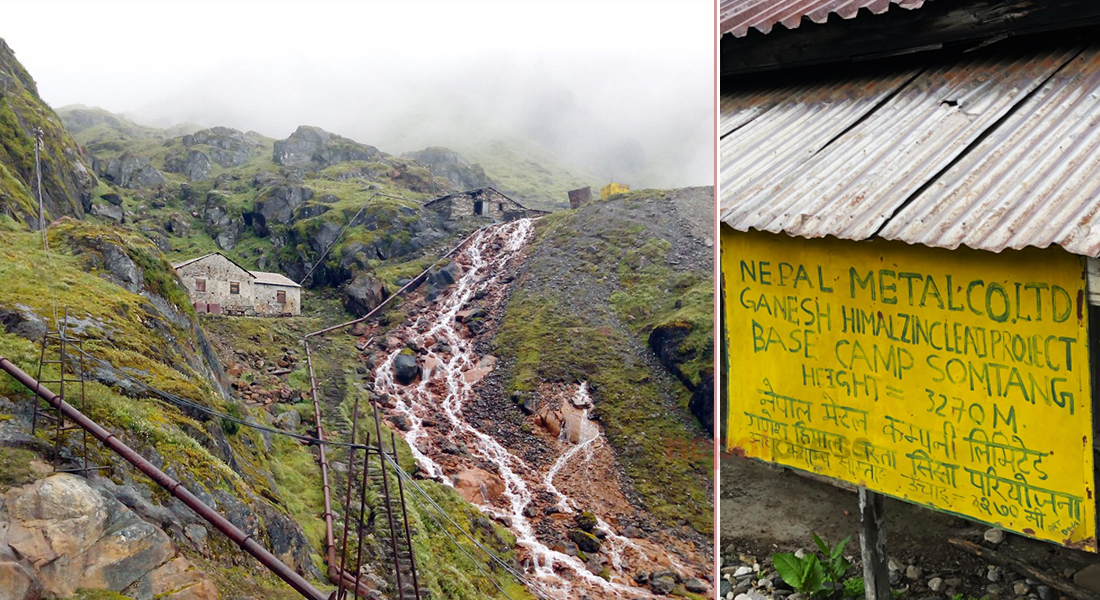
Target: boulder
178	225
363	294
68	536
122	267
195	165
278	202
131	171
406	368
225	230
585	541
23	322
478	486
324	237
107	210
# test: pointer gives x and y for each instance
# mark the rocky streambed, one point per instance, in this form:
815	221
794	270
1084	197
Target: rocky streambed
541	468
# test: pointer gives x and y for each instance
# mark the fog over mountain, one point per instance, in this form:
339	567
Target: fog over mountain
624	90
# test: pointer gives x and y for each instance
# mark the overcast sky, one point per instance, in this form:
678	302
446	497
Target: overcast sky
621	88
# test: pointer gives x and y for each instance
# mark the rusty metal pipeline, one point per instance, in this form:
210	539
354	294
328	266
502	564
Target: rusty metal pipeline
242	539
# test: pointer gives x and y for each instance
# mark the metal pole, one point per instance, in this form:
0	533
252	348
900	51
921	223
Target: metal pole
347	497
872	541
389	512
405	516
174	487
362	511
330	537
38	175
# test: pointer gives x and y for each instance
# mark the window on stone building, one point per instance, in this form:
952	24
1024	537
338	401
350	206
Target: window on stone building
280	297
200	285
500	206
234	287
477	207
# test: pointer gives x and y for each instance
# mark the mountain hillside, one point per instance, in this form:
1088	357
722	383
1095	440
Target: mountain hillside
598	284
545	385
66	179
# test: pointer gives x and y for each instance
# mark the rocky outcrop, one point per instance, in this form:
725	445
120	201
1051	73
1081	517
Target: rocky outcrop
195	165
701	403
363	294
107	210
448	164
667	342
277	203
58	535
225	229
315	148
226	147
130	171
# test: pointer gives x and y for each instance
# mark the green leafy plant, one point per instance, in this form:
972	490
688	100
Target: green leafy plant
835	565
805	574
855	588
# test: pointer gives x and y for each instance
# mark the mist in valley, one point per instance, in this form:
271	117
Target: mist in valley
621	90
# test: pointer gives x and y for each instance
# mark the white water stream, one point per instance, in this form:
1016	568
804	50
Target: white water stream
561	575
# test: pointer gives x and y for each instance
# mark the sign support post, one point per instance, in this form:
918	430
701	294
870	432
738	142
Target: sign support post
872	542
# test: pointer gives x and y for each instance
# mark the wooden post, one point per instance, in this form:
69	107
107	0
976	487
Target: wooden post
872	542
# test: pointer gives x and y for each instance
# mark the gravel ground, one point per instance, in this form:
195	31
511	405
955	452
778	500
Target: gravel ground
765	510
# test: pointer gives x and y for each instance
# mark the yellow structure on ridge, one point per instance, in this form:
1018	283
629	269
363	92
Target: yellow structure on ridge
613	188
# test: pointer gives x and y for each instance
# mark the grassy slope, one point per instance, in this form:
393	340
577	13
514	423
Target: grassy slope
555	334
443	568
124	335
146	423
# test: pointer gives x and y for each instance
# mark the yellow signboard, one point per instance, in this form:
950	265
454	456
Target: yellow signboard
954	379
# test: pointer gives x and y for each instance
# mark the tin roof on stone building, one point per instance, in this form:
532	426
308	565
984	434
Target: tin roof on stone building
260	277
993	149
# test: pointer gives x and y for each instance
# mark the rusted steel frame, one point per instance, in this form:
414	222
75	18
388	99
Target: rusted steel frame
330	537
174	487
83	397
389	511
405	516
60	418
375	310
359	523
41	362
347	496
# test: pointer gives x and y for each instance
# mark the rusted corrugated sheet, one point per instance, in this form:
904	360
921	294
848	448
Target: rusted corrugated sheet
737	16
960	154
1033	181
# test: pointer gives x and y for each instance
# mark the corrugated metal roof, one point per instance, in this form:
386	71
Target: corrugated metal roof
1033	181
737	16
265	278
261	277
958	154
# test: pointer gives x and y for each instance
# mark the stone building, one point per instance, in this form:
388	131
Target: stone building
219	285
482	203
